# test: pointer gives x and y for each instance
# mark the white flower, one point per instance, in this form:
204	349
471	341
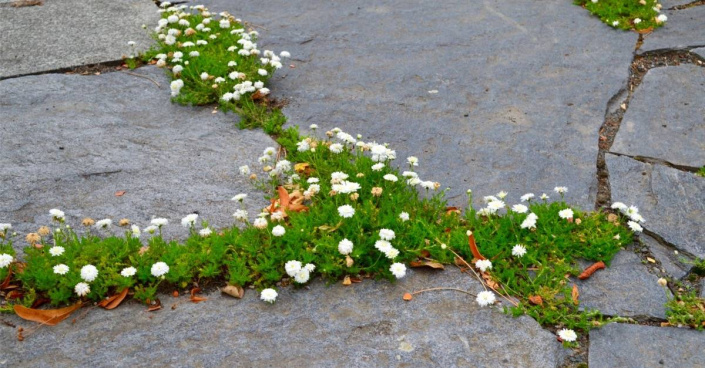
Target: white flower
488	199
518	250
391	253
312	180
519	208
56	251
277	216
345	137
57	215
204	76
268	295
303	146
89	273
224	23
378	167
239	197
413	160
615	23
527	197
5	227
409	174
260	223
386	234
346	187
567	335
404	216
194	54
314	188
172	18
240	215
278	230
151	229
560	190
189	220
337	177
390	177
346	211
5	260
262	72
128	271
159	269
176	86
61	269
205	232
383	245
635	227
259	84
484	212
82	289
345	247
336	148
135	231
176	70
637	20
285	54
244	170
566	213
283	166
494	206
292	268
103	224
169	40
661	18
483	264
530	221
619	206
398	270
313	126
485	298
302	276
310	267
544	196
501	195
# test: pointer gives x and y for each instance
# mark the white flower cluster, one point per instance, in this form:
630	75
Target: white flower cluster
632	212
301	273
383	245
5	260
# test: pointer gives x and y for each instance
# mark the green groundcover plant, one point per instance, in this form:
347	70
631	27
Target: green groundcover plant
638	15
338	208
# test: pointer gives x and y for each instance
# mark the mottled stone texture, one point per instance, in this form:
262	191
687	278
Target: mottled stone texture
685	28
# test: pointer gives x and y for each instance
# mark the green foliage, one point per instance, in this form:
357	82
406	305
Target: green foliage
686	309
701	172
623	14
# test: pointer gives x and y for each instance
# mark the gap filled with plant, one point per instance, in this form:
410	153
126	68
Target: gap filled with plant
639	15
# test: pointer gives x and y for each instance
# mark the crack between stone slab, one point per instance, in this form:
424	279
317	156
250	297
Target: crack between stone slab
88	69
618	104
688	5
658	161
659	239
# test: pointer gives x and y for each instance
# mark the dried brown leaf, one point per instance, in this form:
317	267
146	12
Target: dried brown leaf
120	193
349	261
113	301
50	317
473	247
431	264
234	291
536	300
575	294
346	281
407	297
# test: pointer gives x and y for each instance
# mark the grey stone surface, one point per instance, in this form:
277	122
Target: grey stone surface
521	94
684	28
702	288
666	117
700	51
364	325
625	289
634	346
71	142
667	4
672	201
670	261
69	33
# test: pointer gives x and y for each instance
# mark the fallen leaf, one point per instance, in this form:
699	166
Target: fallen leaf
39	302
650	259
491	283
303	168
665	324
349	261
612	218
195	290
424	253
234	291
407	297
535	300
113	301
155	307
50	317
6	283
356	280
120	193
575	294
451	209
258	96
346	281
197	299
431	264
592	269
473	247
14	294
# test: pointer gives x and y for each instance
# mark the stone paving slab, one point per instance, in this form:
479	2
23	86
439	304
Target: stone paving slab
521	94
69	33
685	28
666	117
634	346
71	142
700	51
364	325
671	262
623	289
672	201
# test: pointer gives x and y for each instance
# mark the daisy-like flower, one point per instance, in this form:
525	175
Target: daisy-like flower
615	23
485	298
61	269
302	276
240	215
390	177
151	229
159	269
413	160
56	251
135	230
176	85
260	223
398	270
278	230
383	245
312	180
205	232
661	18
346	211
313	126
635	226
386	234
194	54
527	197
567	335
262	72
89	273
128	271
345	247
189	220
57	215
619	206
303	146
285	54
637	20
404	216
488	199
519	208
5	227
378	166
277	216
502	195
391	253
518	251
566	213
483	264
239	198
244	170
310	267
82	289
336	148
268	295
544	196
530	221
345	137
494	206
103	224
560	190
292	267
314	188
5	260
204	76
